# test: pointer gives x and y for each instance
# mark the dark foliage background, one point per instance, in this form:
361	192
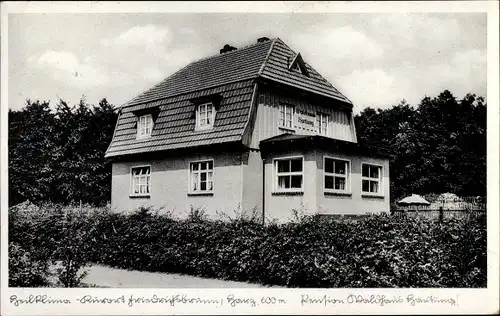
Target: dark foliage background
58	156
375	251
440	145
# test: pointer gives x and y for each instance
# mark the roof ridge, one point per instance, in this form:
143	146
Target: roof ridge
130	102
274	40
231	52
314	69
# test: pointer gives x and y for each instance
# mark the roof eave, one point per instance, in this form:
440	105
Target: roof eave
316	141
345	102
230	145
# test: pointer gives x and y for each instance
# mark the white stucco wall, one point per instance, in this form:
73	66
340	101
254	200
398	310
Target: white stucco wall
357	202
313	199
169	185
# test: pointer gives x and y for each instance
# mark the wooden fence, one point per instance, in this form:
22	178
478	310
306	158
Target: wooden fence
445	208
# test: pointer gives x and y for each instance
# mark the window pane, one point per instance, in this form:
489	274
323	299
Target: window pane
339	183
296	182
366	171
210	185
203	176
210	176
296	165
374	171
282	115
329	165
340	167
194	183
283	165
374	186
284	182
203	186
328	182
194	166
210	165
203	165
366	186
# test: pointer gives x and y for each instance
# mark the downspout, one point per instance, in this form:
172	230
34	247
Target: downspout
263	192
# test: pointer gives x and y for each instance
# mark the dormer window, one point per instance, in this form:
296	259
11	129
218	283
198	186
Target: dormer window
299	65
205	116
144	126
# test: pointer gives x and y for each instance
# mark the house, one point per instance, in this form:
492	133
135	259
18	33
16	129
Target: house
254	129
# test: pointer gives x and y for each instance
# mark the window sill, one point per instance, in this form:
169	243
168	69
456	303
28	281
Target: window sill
204	129
143	137
288	193
372	196
139	196
338	193
200	193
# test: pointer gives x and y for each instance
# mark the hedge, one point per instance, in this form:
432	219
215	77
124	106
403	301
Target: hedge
374	251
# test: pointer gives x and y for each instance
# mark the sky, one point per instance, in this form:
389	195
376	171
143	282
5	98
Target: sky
375	59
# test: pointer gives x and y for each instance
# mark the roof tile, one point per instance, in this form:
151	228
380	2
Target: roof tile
232	75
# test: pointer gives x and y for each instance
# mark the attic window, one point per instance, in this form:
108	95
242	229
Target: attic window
298	64
144	126
205	116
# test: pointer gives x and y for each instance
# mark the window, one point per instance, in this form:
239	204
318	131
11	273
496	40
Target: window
289	174
337	175
286	115
202	175
141	180
322	122
205	115
145	126
371	178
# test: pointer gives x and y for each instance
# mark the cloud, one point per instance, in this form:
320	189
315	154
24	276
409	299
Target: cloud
143	35
464	72
66	68
345	42
373	87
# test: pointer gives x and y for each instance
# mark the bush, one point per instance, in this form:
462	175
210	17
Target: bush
373	251
53	235
25	270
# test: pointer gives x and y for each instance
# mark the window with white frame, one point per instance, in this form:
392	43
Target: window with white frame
205	116
322	123
337	175
286	115
289	174
144	126
202	176
141	180
371	176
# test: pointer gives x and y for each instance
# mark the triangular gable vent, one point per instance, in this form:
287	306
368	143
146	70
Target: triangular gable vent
298	64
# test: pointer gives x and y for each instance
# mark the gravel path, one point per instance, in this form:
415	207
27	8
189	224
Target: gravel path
103	276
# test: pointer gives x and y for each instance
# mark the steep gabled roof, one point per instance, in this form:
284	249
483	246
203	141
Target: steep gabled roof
269	59
276	69
237	65
232	76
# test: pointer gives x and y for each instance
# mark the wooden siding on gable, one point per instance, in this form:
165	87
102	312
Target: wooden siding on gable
268	115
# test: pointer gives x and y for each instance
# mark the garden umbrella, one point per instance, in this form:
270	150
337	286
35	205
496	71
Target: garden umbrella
414	199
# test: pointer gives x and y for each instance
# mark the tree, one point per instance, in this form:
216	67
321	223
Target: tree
439	146
59	156
32	163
